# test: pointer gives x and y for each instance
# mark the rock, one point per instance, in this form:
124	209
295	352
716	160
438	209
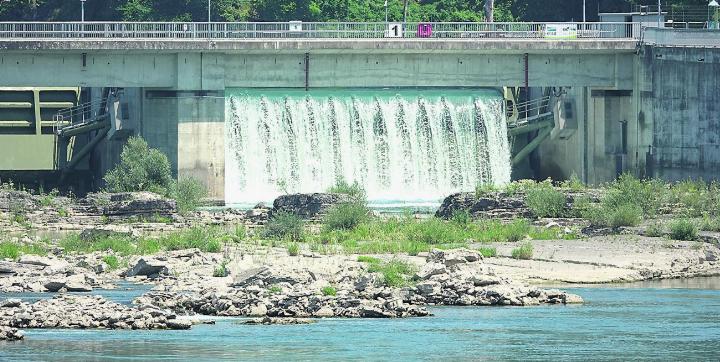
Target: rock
373	312
280	321
246	277
324	312
180	324
55	285
147	267
712	254
10	334
308	206
17	201
105	231
430	269
573	299
367	281
139	203
493	205
428	288
10	303
462	256
37	260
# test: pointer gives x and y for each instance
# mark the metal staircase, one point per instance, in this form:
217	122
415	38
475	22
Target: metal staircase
530	116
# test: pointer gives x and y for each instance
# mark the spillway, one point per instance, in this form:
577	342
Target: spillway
407	146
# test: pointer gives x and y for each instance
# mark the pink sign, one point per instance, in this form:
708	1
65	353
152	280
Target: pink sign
424	30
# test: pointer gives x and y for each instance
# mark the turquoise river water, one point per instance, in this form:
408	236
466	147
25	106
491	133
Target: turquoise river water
674	320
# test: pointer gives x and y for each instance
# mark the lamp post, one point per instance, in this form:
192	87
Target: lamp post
208	11
386	11
713	22
659	14
82	10
584	12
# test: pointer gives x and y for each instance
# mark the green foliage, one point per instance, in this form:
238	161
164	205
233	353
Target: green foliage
655	230
275	289
141	168
396	273
285	225
240	233
461	217
221	270
354	190
524	252
63	212
710	224
683	229
695	198
573	183
368	259
188	193
328	291
544	201
112	261
625	215
649	195
345	216
488	252
203	238
293	249
11	250
485	190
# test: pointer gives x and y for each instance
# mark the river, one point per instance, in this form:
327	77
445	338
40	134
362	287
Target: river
670	320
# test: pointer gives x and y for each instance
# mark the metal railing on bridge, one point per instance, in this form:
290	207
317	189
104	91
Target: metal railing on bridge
529	111
311	30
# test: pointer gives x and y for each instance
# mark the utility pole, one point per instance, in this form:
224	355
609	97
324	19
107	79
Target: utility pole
659	13
584	12
208	11
82	11
489	11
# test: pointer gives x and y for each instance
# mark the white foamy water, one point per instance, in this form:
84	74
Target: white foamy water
401	145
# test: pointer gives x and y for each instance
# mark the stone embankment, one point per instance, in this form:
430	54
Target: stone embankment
84	312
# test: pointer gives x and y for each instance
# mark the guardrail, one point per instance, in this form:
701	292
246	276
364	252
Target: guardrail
184	31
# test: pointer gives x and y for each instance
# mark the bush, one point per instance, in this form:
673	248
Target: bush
524	252
710	224
625	215
395	273
488	252
141	168
293	249
285	225
221	270
9	250
627	190
188	193
461	217
573	183
544	201
205	239
683	230
345	216
484	190
355	191
111	261
329	291
655	230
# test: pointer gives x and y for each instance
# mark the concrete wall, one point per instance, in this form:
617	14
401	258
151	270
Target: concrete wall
680	103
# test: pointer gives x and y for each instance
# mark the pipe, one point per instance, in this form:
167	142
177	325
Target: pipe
531	146
85	150
529	128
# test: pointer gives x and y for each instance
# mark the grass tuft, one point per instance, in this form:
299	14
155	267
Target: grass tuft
683	230
524	252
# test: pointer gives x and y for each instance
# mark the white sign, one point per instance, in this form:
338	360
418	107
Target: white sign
561	31
296	26
394	30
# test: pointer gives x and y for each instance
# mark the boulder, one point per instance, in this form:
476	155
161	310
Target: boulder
248	276
138	203
147	267
493	205
10	334
308	206
10	303
54	285
429	287
179	324
430	269
17	201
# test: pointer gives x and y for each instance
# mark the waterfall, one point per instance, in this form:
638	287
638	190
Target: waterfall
401	145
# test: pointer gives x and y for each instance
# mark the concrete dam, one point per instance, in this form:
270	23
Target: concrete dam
254	112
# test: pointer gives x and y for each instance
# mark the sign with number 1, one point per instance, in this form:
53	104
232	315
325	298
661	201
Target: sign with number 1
395	30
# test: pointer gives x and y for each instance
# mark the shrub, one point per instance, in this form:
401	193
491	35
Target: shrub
345	216
488	252
329	291
240	233
573	183
710	224
141	168
221	270
112	261
683	230
293	249
627	190
484	190
275	289
461	217
368	259
395	273
205	239
9	250
625	215
655	230
285	225
544	201
188	193
355	191
525	252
